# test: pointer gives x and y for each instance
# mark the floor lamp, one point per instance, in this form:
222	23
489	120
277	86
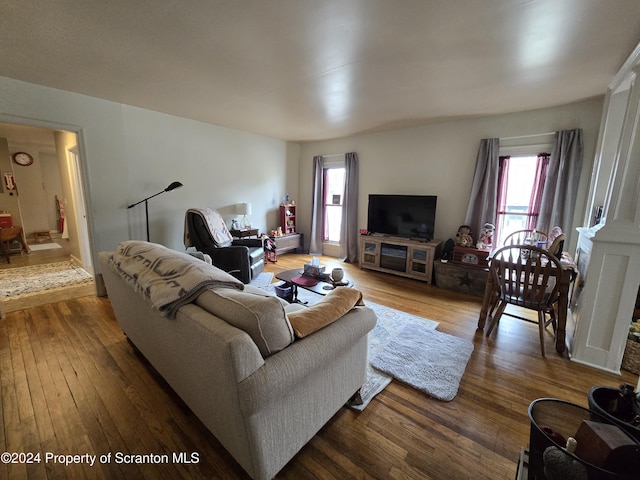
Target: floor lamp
173	186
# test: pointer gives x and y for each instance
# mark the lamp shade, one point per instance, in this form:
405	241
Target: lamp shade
243	209
173	186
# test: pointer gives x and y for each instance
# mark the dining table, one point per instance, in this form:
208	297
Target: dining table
569	273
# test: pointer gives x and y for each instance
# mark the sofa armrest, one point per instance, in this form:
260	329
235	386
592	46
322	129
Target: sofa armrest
234	260
286	369
231	254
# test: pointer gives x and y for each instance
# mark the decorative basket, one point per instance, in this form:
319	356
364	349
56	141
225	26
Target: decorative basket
631	357
284	291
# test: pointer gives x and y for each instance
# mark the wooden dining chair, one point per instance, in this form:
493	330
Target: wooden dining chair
522	237
528	277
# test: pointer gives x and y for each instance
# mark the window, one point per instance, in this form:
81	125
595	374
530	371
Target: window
520	185
332	200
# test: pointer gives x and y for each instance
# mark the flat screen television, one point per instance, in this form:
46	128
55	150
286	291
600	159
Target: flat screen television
410	216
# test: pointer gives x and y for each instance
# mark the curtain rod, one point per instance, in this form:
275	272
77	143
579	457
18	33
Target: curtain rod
334	155
528	136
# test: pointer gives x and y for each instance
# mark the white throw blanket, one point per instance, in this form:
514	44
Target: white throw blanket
213	222
166	278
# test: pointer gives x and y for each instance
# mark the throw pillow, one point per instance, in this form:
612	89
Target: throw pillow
262	317
332	307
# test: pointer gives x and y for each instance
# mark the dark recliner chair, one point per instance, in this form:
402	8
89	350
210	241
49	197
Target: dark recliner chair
206	231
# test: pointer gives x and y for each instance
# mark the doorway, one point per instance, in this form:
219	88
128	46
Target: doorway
59	150
79	210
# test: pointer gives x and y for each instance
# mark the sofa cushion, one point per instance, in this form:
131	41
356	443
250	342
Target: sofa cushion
332	307
265	293
261	316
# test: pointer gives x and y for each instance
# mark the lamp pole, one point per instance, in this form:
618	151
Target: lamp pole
173	186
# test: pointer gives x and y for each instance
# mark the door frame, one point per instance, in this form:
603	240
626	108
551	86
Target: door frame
80	189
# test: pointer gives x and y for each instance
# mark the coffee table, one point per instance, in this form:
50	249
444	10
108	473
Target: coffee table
296	278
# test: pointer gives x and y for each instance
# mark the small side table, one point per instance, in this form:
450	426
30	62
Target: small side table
42	234
244	233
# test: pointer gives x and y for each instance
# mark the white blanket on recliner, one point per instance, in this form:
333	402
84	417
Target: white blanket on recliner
213	222
166	278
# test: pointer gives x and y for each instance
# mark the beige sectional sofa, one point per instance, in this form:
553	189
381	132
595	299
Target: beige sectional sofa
231	355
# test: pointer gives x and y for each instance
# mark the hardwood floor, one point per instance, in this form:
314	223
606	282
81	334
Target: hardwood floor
40	257
72	385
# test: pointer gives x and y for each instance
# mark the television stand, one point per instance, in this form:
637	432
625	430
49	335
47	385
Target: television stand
399	256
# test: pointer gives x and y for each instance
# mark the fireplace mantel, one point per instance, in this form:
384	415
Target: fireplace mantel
609	274
608	254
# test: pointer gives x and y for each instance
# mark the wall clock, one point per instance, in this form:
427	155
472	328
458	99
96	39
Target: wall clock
22	158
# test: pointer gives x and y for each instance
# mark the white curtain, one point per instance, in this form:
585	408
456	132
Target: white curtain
349	225
315	242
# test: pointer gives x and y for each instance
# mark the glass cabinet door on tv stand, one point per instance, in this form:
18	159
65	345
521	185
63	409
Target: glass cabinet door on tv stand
369	253
399	256
420	260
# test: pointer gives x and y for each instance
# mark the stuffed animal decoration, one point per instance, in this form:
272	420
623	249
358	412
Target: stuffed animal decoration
486	236
555	242
463	237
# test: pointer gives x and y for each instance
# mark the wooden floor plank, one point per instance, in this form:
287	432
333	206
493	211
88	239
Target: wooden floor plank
37	387
71	383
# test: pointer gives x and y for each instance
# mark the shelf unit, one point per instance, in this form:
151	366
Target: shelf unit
288	219
399	256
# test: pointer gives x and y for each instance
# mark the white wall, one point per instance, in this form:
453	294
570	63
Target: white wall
219	168
439	159
38	184
52	187
8	199
131	153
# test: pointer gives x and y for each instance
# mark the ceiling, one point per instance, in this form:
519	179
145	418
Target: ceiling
303	70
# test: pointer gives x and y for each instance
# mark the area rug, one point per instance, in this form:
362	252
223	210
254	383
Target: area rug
263	280
390	323
37	278
389	334
430	361
43	246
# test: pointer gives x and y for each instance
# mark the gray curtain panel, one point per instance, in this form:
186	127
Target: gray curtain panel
563	178
349	226
315	242
483	202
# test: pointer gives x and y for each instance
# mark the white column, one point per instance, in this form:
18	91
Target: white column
610	253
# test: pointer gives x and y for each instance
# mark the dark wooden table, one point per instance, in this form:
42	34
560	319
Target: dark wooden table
246	232
322	287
